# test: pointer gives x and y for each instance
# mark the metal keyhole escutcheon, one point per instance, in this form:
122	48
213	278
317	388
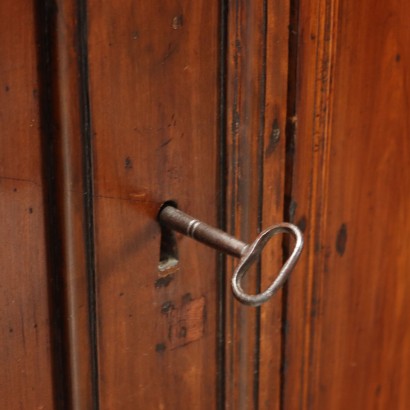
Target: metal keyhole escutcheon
179	221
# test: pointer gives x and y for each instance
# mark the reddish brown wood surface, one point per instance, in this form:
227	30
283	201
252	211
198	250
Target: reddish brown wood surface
338	338
272	197
154	101
25	352
256	109
71	193
348	339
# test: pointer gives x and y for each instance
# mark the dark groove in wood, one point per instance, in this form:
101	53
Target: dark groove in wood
288	211
222	202
45	22
235	120
233	186
285	294
88	194
256	356
260	172
322	94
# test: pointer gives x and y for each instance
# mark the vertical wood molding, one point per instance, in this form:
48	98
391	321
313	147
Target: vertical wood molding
272	195
309	146
348	323
69	192
256	119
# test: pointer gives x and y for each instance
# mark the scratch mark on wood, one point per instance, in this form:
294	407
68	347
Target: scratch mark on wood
19	180
172	48
165	143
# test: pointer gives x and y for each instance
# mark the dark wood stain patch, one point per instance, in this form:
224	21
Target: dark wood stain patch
167	307
302	223
177	22
164	281
274	138
128	163
160	347
185	323
341	240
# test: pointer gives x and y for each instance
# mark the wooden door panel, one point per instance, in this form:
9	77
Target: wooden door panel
25	352
348	339
154	106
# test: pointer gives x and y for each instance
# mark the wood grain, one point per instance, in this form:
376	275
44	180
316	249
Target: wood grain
154	101
348	325
256	104
272	197
70	194
26	377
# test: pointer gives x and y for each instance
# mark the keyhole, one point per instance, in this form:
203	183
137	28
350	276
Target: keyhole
168	253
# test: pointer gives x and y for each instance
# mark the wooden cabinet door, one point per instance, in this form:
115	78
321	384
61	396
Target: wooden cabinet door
245	114
182	108
348	323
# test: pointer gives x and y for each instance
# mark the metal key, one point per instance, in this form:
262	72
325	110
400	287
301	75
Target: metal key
179	221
